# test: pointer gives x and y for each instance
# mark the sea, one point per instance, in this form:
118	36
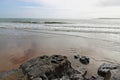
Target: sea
99	28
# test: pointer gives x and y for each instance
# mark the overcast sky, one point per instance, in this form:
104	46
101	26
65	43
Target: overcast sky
59	8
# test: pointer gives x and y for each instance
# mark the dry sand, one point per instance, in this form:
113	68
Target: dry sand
18	47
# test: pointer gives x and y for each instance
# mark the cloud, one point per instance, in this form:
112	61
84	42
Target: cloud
67	8
63	8
75	8
65	4
108	3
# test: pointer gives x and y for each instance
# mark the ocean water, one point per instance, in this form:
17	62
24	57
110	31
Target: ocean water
107	30
103	29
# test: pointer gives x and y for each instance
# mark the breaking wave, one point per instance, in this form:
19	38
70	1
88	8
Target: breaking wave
81	26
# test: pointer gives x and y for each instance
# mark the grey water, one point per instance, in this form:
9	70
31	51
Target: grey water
103	29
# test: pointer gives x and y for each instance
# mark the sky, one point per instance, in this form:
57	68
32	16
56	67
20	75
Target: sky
64	9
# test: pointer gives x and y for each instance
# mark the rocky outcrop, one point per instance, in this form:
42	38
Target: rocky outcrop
84	60
49	68
105	70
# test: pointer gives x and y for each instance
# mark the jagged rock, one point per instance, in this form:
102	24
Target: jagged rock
48	68
84	60
105	70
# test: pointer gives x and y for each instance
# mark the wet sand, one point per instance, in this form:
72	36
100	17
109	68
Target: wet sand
18	46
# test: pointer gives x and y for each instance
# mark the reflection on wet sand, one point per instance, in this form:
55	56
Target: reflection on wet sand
27	55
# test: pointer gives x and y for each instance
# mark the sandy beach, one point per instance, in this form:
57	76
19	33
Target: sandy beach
18	46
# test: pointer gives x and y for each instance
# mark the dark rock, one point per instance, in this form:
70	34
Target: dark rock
105	70
48	68
44	57
84	60
56	59
76	77
76	56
